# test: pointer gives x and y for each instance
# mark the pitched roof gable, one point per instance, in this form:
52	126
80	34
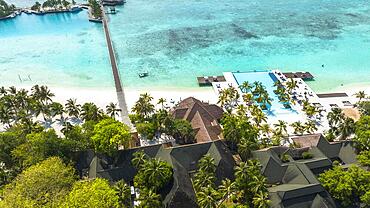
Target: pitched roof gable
202	116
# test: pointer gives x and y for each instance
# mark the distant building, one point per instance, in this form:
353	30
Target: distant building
294	182
204	118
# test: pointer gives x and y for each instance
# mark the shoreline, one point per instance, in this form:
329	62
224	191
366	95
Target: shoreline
103	96
350	89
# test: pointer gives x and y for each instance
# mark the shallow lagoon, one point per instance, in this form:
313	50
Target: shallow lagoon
175	41
56	49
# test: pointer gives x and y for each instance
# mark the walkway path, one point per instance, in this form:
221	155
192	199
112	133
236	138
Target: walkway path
120	93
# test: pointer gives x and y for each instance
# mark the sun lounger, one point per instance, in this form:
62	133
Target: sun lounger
334	105
347	103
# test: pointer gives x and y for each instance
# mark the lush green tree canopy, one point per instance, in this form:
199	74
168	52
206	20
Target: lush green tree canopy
364	158
363	133
93	193
237	130
42	185
40	146
347	186
109	134
146	130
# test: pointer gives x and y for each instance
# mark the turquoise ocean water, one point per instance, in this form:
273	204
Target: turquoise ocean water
176	40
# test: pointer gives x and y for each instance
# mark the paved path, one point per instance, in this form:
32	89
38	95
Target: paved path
120	93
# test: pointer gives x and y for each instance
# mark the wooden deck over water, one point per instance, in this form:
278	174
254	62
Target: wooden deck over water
332	95
208	80
302	75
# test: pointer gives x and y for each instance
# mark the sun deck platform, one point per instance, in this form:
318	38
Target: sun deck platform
208	80
332	95
302	75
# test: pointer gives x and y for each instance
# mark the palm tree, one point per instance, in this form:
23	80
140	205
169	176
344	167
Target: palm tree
73	108
266	100
112	110
346	128
148	198
3	91
12	90
42	94
258	184
248	98
161	102
143	106
310	126
265	129
241	172
124	193
227	189
156	172
298	127
57	109
335	117
245	87
260	200
207	164
259	117
291	85
360	95
139	159
277	84
241	110
203	179
6	115
90	112
67	126
207	197
228	98
281	127
245	148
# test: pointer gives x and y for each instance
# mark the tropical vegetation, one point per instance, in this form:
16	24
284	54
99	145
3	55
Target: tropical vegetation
152	176
95	8
350	186
152	122
6	9
249	188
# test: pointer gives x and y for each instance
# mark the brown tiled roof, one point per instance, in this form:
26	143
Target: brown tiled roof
310	140
202	116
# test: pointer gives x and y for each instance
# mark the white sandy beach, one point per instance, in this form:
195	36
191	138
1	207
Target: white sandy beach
104	96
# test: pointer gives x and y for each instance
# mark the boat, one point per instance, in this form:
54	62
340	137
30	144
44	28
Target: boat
143	74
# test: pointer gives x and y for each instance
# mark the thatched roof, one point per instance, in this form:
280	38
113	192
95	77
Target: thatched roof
202	116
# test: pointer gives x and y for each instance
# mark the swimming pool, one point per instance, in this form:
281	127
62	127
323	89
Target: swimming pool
276	111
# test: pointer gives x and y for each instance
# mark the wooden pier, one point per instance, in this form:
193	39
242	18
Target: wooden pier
208	80
117	81
302	75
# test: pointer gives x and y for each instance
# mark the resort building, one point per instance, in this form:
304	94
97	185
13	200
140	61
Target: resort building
204	118
183	159
292	172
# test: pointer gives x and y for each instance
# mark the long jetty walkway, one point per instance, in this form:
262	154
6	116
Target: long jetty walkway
117	81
